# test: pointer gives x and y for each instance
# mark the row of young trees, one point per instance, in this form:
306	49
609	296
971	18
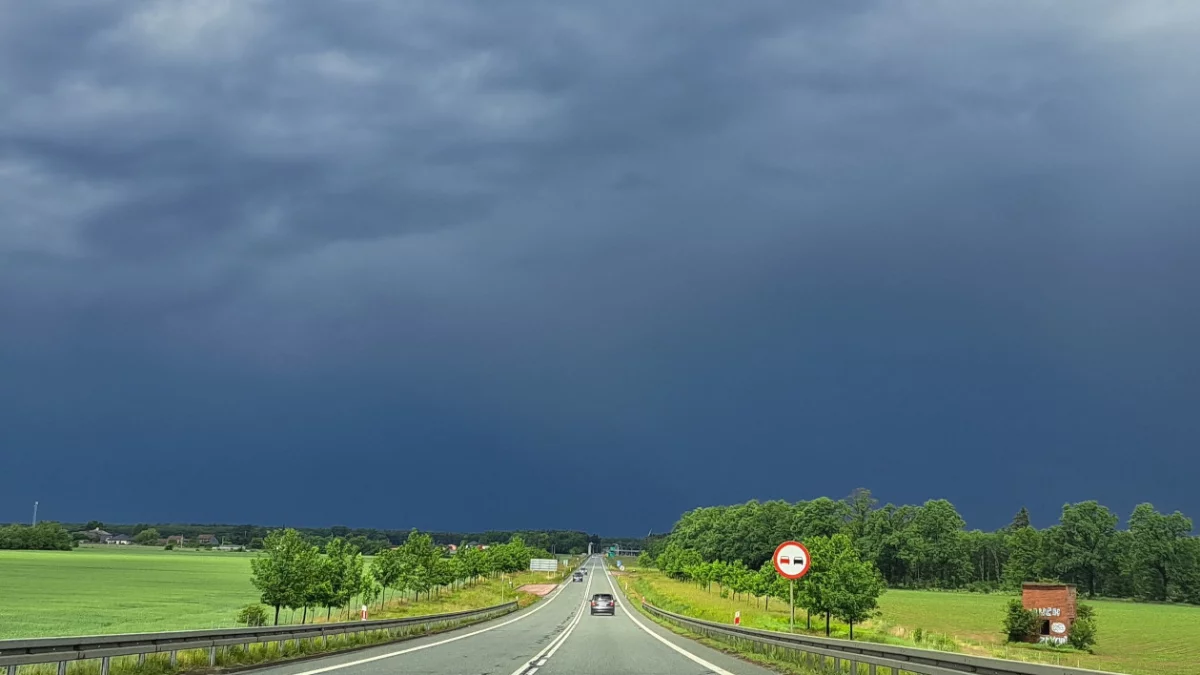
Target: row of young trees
1155	557
293	573
839	583
45	536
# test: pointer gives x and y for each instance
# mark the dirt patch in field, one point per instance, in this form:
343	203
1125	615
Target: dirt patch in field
538	589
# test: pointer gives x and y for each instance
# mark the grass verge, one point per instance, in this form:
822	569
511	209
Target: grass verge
1135	638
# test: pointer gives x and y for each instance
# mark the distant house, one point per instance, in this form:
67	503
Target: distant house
453	548
175	540
97	535
119	539
208	540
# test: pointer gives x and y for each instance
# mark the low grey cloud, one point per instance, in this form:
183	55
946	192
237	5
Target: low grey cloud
666	229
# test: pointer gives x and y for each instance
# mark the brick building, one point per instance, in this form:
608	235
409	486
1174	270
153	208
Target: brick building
1055	603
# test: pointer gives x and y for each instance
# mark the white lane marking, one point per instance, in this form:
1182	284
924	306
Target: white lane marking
541	663
562	637
418	648
629	613
532	671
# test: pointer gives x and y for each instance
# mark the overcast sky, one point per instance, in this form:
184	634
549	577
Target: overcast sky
461	265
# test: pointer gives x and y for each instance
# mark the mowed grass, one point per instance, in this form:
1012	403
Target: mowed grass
1135	638
134	589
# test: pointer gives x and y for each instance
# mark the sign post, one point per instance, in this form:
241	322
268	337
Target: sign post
792	562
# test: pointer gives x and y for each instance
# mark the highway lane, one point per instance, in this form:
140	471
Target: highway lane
556	636
497	647
629	643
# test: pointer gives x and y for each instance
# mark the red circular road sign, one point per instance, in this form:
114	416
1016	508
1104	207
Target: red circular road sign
792	560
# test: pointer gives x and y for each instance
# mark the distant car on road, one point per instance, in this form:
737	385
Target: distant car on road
604	603
578	576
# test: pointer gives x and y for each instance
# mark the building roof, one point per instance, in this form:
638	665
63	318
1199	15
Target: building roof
121	537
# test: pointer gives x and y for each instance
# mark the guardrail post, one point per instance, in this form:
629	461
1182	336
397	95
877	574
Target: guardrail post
212	657
870	669
12	670
62	668
141	660
837	665
104	666
174	658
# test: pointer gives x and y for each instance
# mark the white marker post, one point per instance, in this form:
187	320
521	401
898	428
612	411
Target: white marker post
792	562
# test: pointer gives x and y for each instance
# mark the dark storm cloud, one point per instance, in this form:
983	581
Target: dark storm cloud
642	241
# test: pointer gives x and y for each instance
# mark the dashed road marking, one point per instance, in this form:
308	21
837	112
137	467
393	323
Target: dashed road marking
359	662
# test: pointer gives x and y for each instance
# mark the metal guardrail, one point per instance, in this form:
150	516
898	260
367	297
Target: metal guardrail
63	650
817	653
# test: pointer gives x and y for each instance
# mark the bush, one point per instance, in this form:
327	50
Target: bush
1020	624
1083	631
253	615
169	547
918	634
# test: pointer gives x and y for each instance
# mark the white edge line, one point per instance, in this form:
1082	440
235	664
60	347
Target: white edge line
629	613
359	662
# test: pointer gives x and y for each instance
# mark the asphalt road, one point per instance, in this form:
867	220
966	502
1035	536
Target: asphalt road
556	636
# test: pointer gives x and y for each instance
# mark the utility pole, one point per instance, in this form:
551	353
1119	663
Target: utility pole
35	514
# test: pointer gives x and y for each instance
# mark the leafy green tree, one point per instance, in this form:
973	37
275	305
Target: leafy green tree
1026	559
387	570
1081	544
369	589
821	517
285	571
934	545
814	592
1020	520
148	537
859	506
854	586
45	536
770	584
1157	550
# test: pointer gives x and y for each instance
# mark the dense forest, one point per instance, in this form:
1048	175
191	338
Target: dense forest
1153	557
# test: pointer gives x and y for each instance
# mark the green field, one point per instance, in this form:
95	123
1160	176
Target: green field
1141	639
95	590
133	589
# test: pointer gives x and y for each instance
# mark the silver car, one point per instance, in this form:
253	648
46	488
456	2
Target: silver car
604	603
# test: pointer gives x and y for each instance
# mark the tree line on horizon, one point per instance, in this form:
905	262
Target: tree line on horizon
368	541
1155	557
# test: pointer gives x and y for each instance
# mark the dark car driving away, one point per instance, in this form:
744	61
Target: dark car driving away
603	603
578	576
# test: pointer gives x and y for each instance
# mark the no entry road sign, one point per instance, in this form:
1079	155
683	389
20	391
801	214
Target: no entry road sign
791	560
